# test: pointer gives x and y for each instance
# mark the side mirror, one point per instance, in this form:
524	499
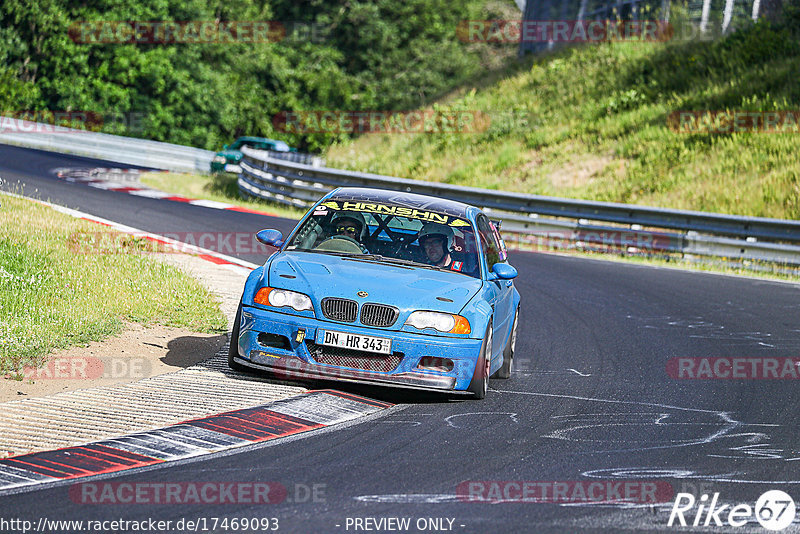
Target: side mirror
224	147
504	271
272	238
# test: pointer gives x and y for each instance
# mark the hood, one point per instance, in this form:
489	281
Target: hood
407	288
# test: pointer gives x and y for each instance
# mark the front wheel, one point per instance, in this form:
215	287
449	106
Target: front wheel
233	348
480	379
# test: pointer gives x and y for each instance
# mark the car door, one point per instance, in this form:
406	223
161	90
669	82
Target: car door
499	291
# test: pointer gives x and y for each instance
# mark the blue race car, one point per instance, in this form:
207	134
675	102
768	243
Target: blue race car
382	287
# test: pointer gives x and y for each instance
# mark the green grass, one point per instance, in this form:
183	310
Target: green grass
219	187
592	124
54	295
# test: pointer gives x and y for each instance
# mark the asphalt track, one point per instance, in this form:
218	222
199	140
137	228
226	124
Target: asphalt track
590	400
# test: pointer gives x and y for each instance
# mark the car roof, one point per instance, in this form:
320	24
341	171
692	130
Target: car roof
280	145
401	198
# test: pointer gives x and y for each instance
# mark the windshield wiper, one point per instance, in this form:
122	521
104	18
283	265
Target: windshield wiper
375	258
328	252
396	261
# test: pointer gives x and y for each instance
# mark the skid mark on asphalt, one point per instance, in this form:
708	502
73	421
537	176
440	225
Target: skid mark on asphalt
400	422
578	372
621	431
700	328
609	401
642	430
482	415
410	498
562	372
628	473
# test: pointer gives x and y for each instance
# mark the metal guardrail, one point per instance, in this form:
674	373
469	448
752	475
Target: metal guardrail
131	151
298	157
533	219
128	150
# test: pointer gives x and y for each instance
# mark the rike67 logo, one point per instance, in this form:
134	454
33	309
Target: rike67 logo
774	510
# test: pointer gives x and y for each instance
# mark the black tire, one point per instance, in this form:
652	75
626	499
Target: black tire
480	378
508	352
233	347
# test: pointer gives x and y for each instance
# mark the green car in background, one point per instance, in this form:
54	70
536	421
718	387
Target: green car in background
227	160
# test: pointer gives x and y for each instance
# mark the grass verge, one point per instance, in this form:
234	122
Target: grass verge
219	187
52	296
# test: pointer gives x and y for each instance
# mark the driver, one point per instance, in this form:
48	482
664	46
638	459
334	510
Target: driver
436	241
350	225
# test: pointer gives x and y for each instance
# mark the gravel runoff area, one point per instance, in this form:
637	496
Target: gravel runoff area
96	412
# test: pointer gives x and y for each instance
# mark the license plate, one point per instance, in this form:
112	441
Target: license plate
344	340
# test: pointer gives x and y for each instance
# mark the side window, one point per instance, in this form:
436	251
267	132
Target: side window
498	240
490	248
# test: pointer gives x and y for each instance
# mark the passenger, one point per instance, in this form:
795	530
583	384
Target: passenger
436	241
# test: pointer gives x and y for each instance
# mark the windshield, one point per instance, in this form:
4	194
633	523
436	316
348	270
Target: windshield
390	233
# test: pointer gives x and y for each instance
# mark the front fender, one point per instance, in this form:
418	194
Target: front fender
516	299
478	312
255	280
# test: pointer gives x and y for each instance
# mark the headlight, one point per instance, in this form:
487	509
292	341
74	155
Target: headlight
219	159
269	296
443	322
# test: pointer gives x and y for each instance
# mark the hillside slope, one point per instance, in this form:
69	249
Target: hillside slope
592	122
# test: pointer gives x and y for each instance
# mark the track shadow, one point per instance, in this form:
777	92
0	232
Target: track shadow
186	351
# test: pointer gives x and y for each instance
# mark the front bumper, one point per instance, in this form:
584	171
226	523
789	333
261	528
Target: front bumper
296	359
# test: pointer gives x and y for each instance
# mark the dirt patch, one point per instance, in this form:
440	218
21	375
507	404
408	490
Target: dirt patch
578	173
138	352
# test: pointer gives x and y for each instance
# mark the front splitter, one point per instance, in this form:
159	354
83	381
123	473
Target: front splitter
292	367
